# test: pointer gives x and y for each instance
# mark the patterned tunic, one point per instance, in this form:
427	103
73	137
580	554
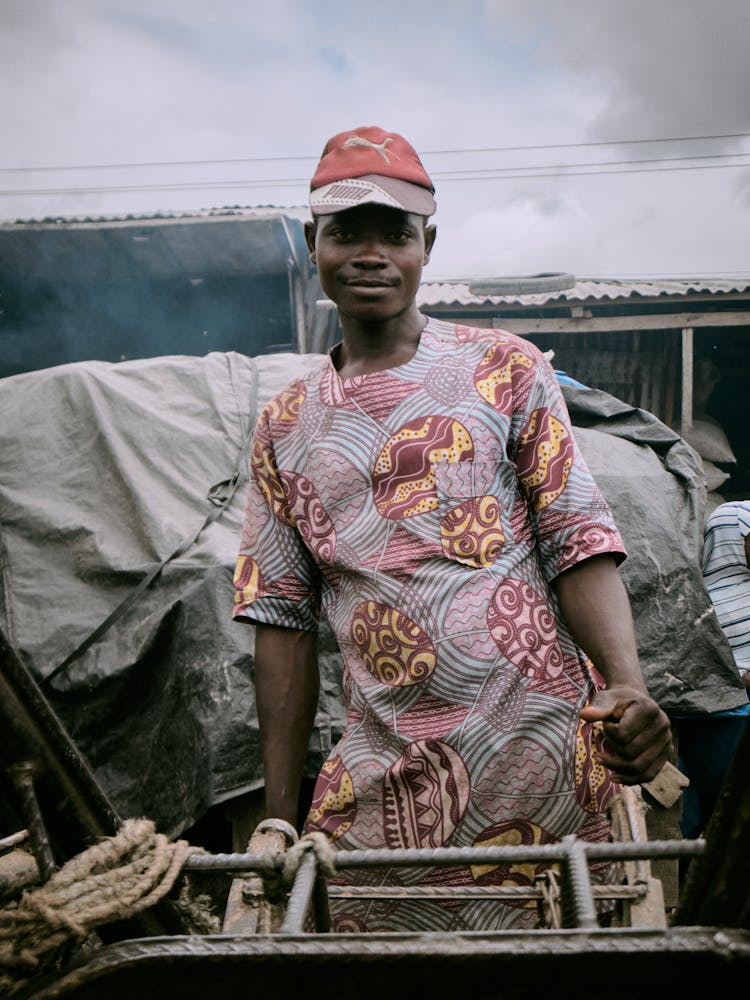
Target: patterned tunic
425	509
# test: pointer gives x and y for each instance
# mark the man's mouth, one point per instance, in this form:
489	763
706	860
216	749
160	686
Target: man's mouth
369	283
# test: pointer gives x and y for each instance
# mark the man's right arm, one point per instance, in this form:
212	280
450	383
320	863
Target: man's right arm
286	691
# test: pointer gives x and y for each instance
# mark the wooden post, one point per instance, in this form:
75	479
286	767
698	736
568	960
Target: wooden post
686	407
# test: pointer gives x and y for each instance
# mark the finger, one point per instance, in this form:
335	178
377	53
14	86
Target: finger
620	709
635	733
608	713
632	739
643	767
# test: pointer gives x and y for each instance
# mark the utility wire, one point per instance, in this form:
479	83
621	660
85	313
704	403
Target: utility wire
498	173
492	171
593	144
551	172
426	153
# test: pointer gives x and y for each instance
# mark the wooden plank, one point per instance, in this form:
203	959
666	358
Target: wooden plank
602	324
686	408
671	391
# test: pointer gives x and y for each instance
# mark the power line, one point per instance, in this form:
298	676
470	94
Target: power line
560	171
433	152
584	145
619	276
492	171
593	173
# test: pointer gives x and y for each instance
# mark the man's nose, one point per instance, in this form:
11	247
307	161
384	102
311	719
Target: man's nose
370	253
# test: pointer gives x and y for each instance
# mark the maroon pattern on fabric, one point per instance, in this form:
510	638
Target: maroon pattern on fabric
425	794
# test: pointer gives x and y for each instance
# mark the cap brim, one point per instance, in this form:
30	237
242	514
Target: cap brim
372	189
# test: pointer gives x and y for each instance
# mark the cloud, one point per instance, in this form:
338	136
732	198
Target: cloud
139	81
675	67
528	235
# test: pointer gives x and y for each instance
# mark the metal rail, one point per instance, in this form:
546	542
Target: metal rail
309	893
449	856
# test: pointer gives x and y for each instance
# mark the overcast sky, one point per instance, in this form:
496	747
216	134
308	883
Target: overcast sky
134	106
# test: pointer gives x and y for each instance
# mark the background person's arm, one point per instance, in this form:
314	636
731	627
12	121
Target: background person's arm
286	691
596	608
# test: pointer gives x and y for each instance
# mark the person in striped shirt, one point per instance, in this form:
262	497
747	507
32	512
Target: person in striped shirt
726	574
707	744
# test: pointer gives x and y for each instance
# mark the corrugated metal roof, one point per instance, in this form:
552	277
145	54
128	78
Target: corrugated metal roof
186	247
261	211
585	289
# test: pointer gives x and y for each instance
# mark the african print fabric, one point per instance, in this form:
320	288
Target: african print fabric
425	509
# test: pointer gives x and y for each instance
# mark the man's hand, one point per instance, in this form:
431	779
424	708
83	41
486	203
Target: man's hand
638	734
595	605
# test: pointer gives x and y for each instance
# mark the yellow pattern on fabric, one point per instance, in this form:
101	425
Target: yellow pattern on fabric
394	649
271	486
598	775
251	589
335	800
424	487
547	451
511	838
287	404
501	375
472	534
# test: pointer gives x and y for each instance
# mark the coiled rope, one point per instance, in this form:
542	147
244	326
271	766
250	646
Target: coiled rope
321	847
282	852
112	880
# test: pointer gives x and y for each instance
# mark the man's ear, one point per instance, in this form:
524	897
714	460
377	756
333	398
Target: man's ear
430	232
310	239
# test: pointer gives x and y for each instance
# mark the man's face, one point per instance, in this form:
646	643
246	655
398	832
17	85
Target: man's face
370	259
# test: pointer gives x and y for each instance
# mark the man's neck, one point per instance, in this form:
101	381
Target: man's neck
368	348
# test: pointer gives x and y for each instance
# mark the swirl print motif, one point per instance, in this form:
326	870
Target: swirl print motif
394	649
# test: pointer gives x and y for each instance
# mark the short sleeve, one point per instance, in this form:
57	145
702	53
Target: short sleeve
276	581
571	518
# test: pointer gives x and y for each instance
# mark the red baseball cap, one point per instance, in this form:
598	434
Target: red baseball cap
369	165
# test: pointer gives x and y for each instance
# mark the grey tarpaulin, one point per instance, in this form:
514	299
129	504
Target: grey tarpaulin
105	472
653	481
114	474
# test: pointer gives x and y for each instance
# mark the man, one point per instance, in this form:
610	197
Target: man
424	487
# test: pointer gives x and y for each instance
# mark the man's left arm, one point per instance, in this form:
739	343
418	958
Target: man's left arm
596	608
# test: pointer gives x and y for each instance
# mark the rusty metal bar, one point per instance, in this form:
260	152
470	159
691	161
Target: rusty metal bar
512	964
22	775
301	895
577	899
309	894
234	862
450	856
31	730
320	904
514	892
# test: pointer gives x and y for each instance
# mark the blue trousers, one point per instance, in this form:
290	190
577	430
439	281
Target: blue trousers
706	746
